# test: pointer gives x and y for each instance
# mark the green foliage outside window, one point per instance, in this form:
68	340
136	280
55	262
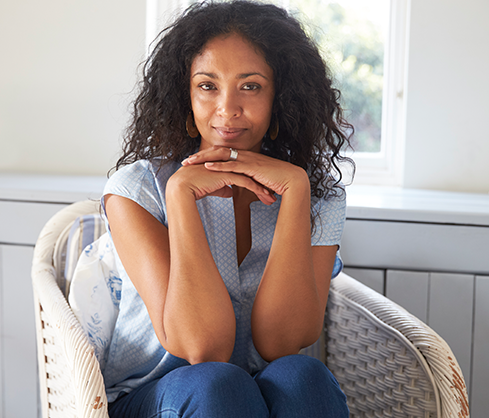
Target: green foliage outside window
353	45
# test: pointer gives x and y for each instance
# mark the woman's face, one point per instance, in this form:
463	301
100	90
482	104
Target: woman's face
232	91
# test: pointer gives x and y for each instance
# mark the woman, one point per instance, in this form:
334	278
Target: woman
235	137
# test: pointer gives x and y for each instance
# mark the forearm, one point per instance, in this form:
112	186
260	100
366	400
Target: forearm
198	316
288	311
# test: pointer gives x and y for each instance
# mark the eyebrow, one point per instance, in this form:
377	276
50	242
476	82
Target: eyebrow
239	76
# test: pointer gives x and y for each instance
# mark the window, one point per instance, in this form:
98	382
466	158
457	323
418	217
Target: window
364	44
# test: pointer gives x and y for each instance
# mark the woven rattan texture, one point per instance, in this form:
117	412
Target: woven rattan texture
61	395
379	375
432	352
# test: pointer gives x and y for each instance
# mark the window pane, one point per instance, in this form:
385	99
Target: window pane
352	35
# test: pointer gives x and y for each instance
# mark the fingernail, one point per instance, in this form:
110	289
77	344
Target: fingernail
189	159
266	191
209	164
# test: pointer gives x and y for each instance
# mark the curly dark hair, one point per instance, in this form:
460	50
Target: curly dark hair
312	130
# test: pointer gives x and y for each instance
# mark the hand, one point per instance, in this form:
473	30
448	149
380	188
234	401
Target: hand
201	182
276	175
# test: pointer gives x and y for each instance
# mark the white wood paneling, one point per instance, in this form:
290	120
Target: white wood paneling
19	369
410	290
479	395
50	188
369	277
21	222
451	303
426	247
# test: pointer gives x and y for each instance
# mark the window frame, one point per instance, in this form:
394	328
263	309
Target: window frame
386	167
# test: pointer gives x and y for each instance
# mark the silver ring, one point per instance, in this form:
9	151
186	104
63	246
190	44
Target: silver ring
234	154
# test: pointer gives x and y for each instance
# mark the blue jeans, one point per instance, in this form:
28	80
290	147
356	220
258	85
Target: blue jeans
290	387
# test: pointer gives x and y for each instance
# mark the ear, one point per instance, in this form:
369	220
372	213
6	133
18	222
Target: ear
192	130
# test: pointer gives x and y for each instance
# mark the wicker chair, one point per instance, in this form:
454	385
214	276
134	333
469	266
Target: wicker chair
389	363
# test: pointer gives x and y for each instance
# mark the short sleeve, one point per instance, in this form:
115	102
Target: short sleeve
330	219
329	224
137	181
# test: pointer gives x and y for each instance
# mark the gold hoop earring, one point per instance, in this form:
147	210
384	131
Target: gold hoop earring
273	129
192	130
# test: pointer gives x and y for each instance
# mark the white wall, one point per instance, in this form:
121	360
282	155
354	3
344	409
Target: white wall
447	139
66	75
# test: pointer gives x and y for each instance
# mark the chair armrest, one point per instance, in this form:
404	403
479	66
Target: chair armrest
430	350
70	377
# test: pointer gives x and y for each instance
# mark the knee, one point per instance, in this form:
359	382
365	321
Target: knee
223	389
301	383
216	376
299	369
218	390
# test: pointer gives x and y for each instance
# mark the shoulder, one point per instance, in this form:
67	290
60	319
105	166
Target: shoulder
330	216
128	176
333	203
147	171
144	182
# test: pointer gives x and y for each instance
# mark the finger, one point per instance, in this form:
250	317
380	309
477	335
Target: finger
231	167
258	189
273	183
218	185
213	154
210	154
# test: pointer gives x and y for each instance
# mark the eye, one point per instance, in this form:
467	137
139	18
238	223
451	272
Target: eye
206	86
251	87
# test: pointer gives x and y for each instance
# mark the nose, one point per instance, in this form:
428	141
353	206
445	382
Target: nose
229	106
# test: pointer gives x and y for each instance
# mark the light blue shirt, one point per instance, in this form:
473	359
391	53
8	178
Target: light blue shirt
135	355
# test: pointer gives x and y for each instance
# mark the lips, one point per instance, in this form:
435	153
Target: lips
229	133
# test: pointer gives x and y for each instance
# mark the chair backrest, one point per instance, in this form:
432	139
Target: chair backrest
71	384
386	360
77	235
